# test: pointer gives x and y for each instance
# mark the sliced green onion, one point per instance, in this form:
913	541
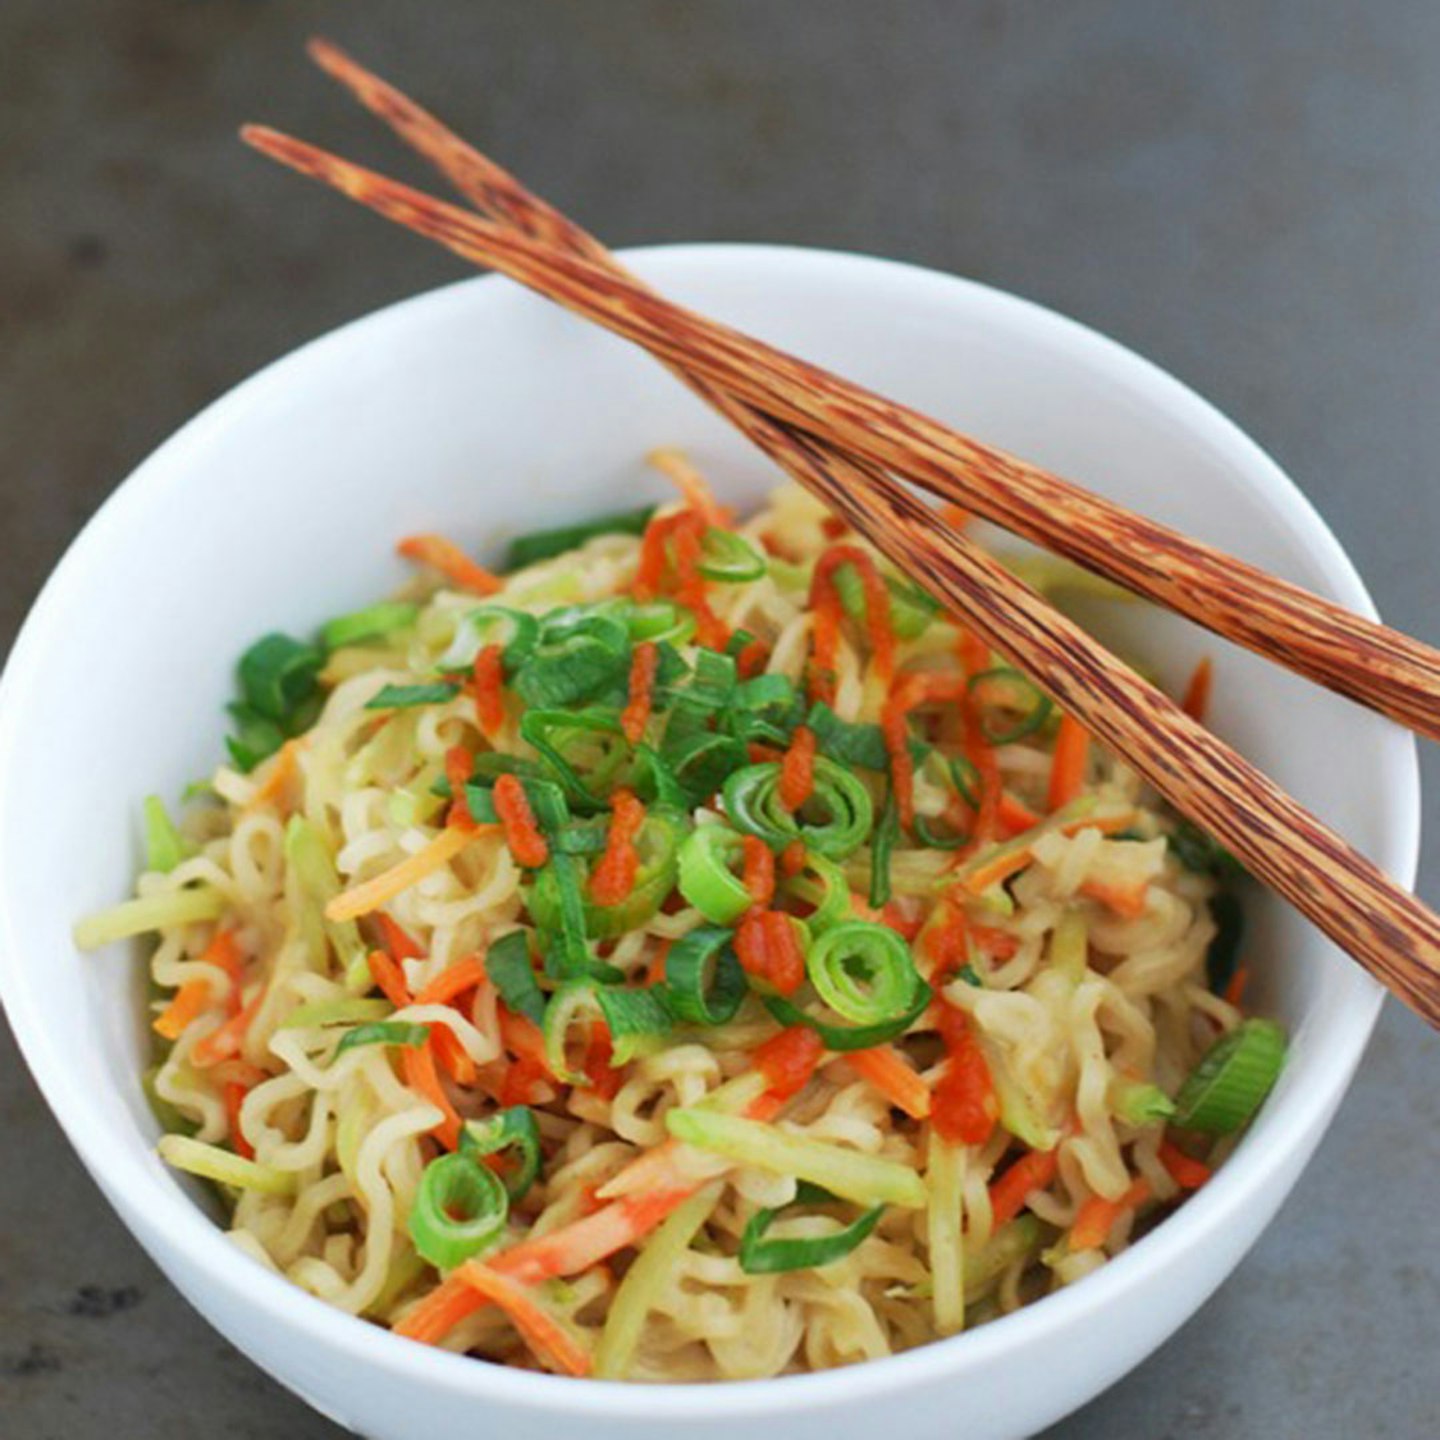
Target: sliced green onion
882	846
842	1038
256	738
165	847
368	624
661	623
555	733
1223	952
655	780
828	892
1201	852
278	673
1137	1102
1232	1078
383	1032
704	983
1010	706
347	1010
700	761
580	653
851	1174
759	1256
210	1162
752	801
150	912
726	557
470	635
845	741
546	544
406	697
507	963
863	972
513	1129
633	1017
707	875
911	609
460	1209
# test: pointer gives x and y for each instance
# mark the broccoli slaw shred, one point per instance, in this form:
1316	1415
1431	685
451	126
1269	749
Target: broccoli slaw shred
687	955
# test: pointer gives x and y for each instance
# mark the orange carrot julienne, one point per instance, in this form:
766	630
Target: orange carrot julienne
225	1041
1127	901
793	858
655	971
614	876
825	602
273	789
636	715
544	1334
1028	1174
757	873
372	894
488	678
190	1000
797	770
390	978
1011	862
459	764
451	561
691	484
1067	764
1235	988
1098	1215
235	1094
908	692
893	1078
1014	815
751	659
398	942
418	1062
1196	701
522	835
453	981
1187	1172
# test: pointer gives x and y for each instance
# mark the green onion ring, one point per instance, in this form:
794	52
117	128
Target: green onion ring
512	1129
752	801
707	873
863	972
460	1209
704	983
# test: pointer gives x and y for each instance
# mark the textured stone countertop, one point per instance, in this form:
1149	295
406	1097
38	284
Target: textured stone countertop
1247	191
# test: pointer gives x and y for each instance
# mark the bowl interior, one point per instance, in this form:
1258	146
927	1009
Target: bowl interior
482	412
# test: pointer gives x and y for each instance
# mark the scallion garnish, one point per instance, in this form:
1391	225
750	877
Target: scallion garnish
752	801
165	847
882	845
841	1038
507	963
1010	706
405	697
708	858
1232	1078
729	559
277	675
546	544
511	1129
383	1032
704	983
863	972
633	1018
372	623
460	1209
761	1256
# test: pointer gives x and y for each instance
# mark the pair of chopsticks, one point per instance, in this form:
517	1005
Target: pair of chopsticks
845	443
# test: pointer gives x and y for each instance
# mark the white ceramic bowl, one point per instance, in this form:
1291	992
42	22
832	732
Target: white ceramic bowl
481	411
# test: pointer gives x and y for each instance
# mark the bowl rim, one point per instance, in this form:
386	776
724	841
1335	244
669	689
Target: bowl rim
129	1171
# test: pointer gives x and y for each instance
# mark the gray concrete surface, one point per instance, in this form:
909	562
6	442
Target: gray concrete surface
1248	191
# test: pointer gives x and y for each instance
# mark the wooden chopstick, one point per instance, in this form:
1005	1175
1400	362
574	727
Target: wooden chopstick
1370	663
1386	929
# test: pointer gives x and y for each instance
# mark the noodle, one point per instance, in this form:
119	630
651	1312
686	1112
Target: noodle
1071	997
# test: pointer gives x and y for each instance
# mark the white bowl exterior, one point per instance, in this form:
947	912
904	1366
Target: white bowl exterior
482	412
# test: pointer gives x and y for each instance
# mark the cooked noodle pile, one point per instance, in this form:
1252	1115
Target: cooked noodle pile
958	1008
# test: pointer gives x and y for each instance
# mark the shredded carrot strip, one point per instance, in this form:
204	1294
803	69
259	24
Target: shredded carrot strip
1003	866
398	942
908	692
1067	764
274	789
235	1094
757	873
545	1335
1097	1216
453	981
762	754
636	715
1014	816
1028	1174
793	858
883	1067
418	1063
825	602
752	659
1235	989
788	1060
974	653
655	971
691	587
226	1041
1196	701
1187	1172
604	1077
451	561
390	978
1127	901
614	877
694	490
797	770
522	835
362	899
190	1000
964	1108
459	764
488	677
